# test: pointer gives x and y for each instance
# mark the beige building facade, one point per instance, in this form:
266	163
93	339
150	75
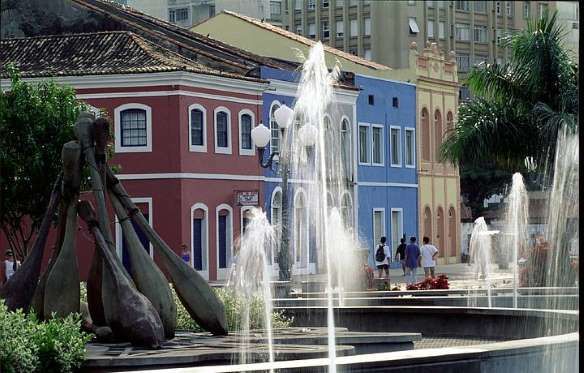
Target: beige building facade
382	30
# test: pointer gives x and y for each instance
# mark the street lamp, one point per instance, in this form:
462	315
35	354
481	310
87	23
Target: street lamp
261	137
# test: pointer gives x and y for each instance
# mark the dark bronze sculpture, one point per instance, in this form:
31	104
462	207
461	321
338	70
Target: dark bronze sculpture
137	307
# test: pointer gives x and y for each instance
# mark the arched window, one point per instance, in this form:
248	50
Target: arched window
246	123
300	230
427	222
224	239
200	238
346	148
425	124
274	128
437	133
222	130
347	210
328	146
133	128
452	223
197	128
440	231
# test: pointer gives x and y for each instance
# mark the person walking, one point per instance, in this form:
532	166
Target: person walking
400	254
9	266
412	260
383	257
428	252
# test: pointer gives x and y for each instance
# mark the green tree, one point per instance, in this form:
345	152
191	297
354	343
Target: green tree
516	108
35	121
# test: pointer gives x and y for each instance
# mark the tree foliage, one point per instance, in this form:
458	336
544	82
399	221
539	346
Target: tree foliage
518	107
35	121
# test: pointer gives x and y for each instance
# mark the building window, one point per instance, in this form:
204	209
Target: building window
437	133
463	32
171	16
509	8
371	99
340	29
479	59
311	4
224	214
395	147
299	29
275	8
430	28
311	30
480	34
133	122
325	29
414	29
429	3
498	8
325	3
543	8
526	9
449	124
133	128
397	223
352	2
367	26
275	129
367	54
463	5
463	62
340	3
441	30
245	127
480	6
181	14
378	225
198	128
222	131
276	220
425	125
354	28
347	210
363	145
395	102
298	4
410	147
377	145
200	238
346	146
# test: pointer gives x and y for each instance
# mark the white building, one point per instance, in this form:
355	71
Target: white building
569	16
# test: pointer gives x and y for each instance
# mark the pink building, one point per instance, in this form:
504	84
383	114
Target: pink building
182	135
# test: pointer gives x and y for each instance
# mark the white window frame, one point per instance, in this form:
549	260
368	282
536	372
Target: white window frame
205	239
218	149
381	145
430	28
326	29
368	140
222	273
312	30
399	147
246	152
270	119
118	148
413	25
441	34
120	233
342	28
297	269
354	28
383	233
460	29
367	26
401	215
198	148
413	150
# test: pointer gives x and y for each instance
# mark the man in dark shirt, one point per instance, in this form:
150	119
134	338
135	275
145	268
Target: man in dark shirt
400	254
412	260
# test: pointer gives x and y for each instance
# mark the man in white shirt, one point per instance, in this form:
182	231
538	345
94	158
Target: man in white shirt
428	252
10	266
383	257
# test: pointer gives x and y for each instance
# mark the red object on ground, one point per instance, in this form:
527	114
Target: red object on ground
440	282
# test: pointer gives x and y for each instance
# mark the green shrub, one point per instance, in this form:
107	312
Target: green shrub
233	311
27	345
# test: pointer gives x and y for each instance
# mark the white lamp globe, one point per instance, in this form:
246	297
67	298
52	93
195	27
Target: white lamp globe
260	135
308	134
284	116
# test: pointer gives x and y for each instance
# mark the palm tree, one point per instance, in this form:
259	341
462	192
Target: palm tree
517	107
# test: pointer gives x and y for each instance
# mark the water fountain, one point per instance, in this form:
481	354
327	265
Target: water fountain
516	223
480	251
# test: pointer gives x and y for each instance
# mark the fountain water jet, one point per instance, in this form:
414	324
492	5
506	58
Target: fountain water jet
250	277
516	223
480	251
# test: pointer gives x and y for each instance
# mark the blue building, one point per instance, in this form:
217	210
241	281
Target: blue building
387	186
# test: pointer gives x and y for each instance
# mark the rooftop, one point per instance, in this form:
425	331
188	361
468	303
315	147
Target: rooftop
96	53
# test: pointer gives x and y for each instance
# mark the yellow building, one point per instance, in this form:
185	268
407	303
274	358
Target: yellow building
436	79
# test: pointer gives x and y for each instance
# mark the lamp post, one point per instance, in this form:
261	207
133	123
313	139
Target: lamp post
261	137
